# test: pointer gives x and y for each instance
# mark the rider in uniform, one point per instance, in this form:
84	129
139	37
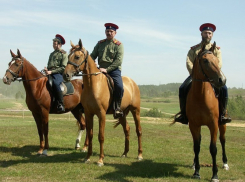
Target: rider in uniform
207	30
56	65
110	56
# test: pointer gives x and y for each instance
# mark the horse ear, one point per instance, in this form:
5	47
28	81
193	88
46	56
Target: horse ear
72	45
19	54
12	54
203	47
213	47
80	44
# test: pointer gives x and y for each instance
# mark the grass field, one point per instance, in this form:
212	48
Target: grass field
167	152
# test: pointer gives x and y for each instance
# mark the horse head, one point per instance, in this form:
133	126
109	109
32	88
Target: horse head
15	68
77	60
209	69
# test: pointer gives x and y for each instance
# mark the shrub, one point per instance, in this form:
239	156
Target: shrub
154	112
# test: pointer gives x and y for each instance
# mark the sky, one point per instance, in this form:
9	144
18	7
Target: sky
156	34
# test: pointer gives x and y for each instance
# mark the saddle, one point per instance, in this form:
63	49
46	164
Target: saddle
66	87
110	83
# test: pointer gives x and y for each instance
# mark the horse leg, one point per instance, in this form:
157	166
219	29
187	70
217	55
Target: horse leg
89	129
101	137
81	122
196	135
136	115
126	129
213	151
222	130
45	115
194	162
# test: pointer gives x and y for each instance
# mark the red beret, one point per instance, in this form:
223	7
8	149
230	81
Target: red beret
60	39
111	26
207	26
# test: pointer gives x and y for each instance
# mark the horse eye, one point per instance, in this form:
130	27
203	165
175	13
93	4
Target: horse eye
205	61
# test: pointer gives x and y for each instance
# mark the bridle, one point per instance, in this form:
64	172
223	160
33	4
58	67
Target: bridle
16	75
204	74
77	66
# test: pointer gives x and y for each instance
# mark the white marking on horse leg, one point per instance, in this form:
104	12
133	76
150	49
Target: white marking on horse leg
226	167
45	152
80	133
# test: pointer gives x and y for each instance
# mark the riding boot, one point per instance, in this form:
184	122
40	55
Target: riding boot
223	117
60	105
118	112
181	118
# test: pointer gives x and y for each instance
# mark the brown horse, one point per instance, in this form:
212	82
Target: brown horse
39	98
96	99
202	106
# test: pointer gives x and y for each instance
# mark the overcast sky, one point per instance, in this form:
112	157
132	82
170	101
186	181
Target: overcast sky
156	34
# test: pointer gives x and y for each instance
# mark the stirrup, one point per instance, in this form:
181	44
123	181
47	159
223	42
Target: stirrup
224	120
118	113
181	119
60	108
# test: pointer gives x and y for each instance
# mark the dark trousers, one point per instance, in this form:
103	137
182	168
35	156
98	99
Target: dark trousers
57	80
118	83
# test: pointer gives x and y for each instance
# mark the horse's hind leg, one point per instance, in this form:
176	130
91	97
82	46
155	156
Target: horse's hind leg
222	130
81	122
136	115
196	135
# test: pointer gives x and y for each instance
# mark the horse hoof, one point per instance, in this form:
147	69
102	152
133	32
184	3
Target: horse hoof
124	156
226	167
77	148
140	158
87	161
196	176
84	150
214	180
100	164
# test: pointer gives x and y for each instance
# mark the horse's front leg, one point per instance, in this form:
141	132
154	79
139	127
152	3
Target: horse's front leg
195	131
101	137
44	118
38	121
222	129
213	151
89	128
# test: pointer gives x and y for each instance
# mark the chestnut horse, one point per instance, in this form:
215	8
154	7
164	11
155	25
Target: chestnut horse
202	106
39	98
96	99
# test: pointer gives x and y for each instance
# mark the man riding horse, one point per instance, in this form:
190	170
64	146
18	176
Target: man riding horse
207	30
110	56
56	65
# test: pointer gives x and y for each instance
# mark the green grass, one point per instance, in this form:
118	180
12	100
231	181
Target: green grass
167	152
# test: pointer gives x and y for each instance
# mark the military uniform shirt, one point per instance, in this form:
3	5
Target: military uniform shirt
193	52
109	53
57	61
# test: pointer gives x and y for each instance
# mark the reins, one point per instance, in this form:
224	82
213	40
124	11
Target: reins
204	74
77	66
16	75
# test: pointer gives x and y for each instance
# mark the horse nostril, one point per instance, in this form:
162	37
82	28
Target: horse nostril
67	75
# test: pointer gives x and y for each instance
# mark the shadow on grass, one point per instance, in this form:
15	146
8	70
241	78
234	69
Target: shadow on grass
30	157
142	169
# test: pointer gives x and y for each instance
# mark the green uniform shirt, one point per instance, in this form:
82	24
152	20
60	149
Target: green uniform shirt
109	53
57	61
193	52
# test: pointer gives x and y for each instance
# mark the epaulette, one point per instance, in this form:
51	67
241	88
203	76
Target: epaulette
62	51
102	41
116	42
193	47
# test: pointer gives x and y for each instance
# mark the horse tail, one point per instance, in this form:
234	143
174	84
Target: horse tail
175	116
116	123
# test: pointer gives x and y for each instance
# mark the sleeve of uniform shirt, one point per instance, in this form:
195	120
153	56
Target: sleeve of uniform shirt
189	60
219	57
61	69
117	60
95	54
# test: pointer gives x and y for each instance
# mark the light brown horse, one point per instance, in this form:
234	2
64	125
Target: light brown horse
96	99
202	106
39	98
